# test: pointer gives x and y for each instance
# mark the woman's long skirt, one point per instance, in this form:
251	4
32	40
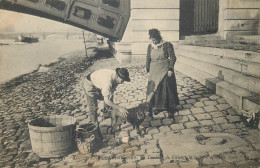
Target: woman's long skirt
166	95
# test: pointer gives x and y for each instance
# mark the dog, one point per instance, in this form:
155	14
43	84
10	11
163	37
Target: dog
136	116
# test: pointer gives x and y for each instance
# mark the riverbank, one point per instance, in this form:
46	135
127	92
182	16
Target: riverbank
21	58
205	121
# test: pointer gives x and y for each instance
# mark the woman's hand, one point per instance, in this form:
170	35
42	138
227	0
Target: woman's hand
170	73
123	111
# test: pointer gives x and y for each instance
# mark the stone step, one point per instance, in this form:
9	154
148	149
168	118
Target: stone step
204	78
242	66
237	97
201	42
223	44
253	40
203	37
248	56
236	78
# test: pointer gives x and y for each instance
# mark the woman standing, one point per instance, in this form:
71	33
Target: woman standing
162	88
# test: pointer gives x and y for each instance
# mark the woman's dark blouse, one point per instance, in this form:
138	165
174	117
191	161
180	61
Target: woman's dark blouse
168	52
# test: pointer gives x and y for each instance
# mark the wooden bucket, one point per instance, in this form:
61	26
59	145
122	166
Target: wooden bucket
89	138
53	136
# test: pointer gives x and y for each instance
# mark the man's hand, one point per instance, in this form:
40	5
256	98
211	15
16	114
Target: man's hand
170	73
123	111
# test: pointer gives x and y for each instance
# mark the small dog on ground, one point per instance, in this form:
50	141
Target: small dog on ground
136	116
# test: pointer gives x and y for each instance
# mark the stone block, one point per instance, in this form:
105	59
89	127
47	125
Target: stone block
217	114
191	124
152	131
199	104
148	137
159	116
234	119
181	119
195	96
212	160
228	126
203	99
191	118
177	126
221	101
189	164
167	121
214	97
153	150
247	163
133	133
210	108
197	110
252	154
106	122
191	101
149	162
207	122
156	123
220	120
169	165
232	131
204	130
210	103
189	131
159	135
114	162
223	106
131	149
203	116
234	157
146	124
184	112
128	165
148	146
219	152
231	112
164	129
183	98
187	106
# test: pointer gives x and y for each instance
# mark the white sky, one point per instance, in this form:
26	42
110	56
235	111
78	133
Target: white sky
18	22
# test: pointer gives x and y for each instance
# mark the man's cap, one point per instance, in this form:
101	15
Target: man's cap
123	74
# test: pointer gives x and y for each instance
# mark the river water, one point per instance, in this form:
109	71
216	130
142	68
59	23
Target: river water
21	58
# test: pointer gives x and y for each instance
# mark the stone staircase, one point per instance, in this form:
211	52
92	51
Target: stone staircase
246	43
231	72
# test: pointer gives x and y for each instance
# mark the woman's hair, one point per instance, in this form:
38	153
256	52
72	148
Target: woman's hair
155	33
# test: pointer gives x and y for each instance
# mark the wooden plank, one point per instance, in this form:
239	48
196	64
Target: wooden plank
241	13
142	36
241	25
159	24
155	14
155	4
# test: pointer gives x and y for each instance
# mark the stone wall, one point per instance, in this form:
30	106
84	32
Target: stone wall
238	17
147	14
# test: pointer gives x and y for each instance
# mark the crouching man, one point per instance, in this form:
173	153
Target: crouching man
100	85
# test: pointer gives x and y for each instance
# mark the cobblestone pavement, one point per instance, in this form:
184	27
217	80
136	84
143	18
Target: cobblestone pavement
201	113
